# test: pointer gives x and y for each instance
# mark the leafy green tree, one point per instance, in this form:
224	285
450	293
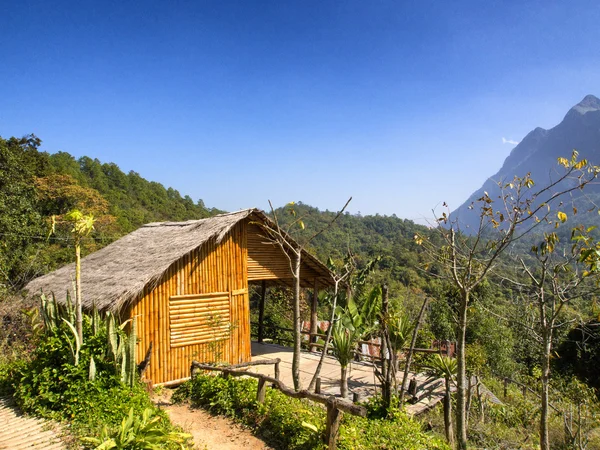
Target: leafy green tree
579	353
21	224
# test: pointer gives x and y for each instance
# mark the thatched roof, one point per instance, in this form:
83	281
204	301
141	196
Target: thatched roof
118	273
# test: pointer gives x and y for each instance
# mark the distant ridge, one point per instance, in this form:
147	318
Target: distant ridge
538	152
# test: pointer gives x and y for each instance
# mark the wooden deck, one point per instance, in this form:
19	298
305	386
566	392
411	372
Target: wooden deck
361	378
18	431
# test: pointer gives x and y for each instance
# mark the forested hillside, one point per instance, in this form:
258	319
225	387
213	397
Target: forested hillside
37	189
34	186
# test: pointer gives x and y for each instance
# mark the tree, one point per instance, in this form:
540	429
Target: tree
579	353
467	260
83	225
553	281
21	224
411	349
293	251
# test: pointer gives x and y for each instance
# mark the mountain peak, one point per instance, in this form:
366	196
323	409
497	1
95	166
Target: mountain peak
537	154
589	103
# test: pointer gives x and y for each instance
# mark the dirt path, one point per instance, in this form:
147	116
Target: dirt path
209	432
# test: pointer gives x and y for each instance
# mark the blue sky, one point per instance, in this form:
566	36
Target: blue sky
400	104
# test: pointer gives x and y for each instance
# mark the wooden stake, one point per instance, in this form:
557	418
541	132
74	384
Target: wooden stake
262	389
332	427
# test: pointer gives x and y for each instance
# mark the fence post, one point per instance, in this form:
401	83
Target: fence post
355	397
318	386
524	391
332	427
262	388
277	371
505	387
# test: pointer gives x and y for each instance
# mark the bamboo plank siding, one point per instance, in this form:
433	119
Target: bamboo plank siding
177	314
199	319
210	281
266	260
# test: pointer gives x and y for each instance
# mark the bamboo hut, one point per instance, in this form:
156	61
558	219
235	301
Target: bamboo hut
187	285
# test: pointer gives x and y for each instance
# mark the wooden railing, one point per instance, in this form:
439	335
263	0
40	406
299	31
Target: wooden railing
335	406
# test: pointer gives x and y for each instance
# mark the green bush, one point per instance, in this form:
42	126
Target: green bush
9	370
288	423
135	433
51	385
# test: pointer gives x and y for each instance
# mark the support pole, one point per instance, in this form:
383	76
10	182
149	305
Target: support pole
313	316
261	311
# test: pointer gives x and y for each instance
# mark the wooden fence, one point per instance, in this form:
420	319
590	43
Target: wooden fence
335	406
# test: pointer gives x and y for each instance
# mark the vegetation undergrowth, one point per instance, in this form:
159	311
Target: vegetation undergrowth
287	423
90	396
574	422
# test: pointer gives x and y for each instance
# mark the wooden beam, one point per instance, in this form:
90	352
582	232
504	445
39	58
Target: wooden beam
261	311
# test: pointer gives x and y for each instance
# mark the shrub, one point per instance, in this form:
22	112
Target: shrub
52	385
139	434
289	423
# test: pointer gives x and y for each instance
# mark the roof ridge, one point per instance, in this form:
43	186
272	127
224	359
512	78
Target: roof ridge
185	223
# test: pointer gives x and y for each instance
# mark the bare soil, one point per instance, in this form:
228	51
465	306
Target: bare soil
210	432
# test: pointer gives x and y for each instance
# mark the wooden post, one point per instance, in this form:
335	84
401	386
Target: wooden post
387	371
261	311
262	389
332	427
524	391
277	373
313	316
318	386
505	387
355	397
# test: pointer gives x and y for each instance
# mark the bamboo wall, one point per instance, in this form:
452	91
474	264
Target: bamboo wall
212	269
266	261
